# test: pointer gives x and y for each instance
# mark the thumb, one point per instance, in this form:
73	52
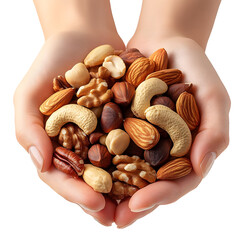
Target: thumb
30	132
212	137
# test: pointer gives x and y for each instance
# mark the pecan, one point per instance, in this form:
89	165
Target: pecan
60	83
73	138
122	190
68	162
94	94
133	170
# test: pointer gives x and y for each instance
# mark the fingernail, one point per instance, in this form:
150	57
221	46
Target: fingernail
87	209
36	157
207	163
142	209
125	226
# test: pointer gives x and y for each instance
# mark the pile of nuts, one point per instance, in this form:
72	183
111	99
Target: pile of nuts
121	121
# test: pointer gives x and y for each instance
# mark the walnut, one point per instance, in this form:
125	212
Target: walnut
73	138
122	190
94	94
133	170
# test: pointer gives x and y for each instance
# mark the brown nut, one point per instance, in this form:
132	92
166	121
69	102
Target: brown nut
145	135
130	55
169	76
163	100
160	57
68	162
97	111
60	83
159	155
176	89
78	75
187	108
94	137
117	141
99	156
134	149
138	71
175	169
111	117
56	101
115	66
123	93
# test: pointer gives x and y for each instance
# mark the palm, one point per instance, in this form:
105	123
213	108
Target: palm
58	55
213	103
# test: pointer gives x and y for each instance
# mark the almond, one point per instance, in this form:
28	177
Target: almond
186	107
175	90
144	135
139	70
174	169
56	101
169	76
160	57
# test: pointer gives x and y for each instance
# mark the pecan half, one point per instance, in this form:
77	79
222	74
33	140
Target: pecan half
68	162
60	83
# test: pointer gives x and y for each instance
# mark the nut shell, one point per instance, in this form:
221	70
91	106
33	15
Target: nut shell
130	55
111	117
99	156
123	93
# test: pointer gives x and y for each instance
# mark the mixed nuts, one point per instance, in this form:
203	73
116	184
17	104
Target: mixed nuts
121	121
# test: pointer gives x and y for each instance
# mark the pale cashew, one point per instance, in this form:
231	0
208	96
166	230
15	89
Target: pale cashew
77	114
174	125
144	93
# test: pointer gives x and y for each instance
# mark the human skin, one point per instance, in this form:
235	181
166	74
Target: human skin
70	32
66	44
182	28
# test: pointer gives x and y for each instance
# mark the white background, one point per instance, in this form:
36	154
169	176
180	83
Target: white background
29	209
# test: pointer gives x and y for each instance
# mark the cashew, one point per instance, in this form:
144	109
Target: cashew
77	114
78	75
115	66
99	179
174	125
97	55
144	93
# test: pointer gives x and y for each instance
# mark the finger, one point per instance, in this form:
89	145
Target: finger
213	135
106	215
30	132
73	190
124	217
163	192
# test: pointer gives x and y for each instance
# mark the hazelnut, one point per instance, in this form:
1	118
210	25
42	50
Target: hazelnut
133	149
163	100
123	93
117	141
175	90
99	156
158	155
111	118
130	55
94	137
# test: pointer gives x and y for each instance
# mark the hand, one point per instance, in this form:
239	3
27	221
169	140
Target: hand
211	139
59	53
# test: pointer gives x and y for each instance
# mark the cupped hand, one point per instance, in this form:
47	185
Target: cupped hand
59	53
212	136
